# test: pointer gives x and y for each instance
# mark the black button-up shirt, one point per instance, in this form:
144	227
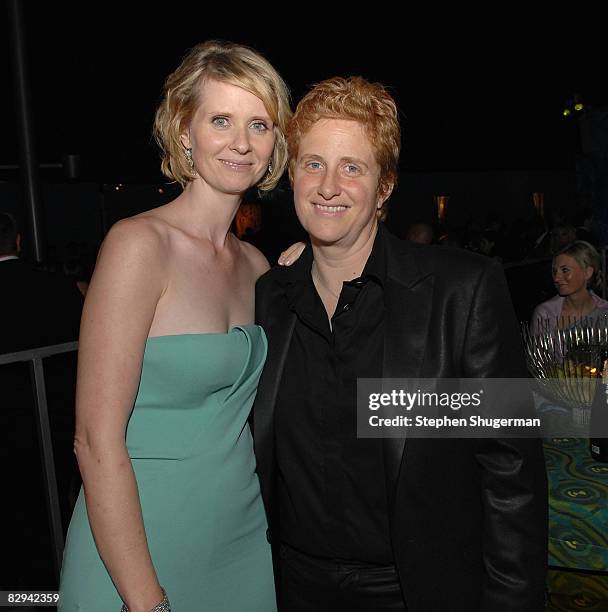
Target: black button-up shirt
332	492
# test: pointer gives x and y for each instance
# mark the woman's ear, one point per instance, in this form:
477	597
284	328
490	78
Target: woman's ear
185	139
384	191
589	271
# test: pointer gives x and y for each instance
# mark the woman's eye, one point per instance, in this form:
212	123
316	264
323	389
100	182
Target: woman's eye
259	126
220	121
313	165
351	169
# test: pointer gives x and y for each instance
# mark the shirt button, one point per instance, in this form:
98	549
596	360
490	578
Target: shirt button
346	307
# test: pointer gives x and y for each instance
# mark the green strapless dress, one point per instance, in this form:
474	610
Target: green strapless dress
192	453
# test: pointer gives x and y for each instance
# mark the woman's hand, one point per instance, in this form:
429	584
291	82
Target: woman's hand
292	254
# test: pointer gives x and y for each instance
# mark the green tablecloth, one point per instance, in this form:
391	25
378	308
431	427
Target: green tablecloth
578	505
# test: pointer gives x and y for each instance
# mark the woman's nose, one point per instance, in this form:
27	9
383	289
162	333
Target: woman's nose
241	142
329	186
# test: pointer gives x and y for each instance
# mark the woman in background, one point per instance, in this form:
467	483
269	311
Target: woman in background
169	362
575	269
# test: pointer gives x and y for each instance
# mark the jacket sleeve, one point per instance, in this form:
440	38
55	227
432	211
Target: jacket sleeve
512	471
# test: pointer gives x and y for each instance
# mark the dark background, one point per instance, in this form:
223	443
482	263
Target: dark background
479	88
481	92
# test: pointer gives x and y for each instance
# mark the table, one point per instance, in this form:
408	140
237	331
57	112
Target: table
578	506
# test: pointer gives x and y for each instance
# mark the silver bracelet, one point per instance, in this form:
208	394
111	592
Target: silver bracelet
163	606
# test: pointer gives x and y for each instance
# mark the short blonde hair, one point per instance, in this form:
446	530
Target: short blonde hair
226	62
354	99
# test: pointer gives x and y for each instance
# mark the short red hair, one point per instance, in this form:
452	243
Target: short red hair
354	99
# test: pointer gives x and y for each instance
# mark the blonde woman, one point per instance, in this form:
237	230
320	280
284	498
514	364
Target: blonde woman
170	514
575	268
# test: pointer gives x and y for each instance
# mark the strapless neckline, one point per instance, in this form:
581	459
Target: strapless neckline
191	451
205	334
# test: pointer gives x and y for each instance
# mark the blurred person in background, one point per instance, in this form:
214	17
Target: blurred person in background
575	269
422	233
37	309
561	236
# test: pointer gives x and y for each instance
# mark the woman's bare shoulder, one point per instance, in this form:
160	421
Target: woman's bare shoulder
255	257
140	233
134	247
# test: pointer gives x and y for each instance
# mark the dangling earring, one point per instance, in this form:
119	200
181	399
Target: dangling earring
269	167
188	153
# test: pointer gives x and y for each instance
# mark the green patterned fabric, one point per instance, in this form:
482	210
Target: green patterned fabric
571	591
578	506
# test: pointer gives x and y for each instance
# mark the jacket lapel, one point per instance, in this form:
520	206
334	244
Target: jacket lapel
408	299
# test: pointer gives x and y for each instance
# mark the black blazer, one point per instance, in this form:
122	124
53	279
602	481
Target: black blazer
37	308
468	517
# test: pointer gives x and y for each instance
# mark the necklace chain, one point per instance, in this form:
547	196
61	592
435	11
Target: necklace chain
316	275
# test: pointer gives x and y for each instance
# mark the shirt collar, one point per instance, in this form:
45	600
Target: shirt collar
298	279
375	267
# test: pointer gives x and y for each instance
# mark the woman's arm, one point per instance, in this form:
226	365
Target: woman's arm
129	280
535	326
542	319
512	474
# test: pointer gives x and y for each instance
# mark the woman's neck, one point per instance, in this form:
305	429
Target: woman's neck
336	264
209	214
578	304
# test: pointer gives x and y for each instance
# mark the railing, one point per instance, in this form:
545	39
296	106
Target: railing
35	357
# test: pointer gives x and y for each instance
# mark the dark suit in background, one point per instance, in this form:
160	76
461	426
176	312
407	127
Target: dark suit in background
36	309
